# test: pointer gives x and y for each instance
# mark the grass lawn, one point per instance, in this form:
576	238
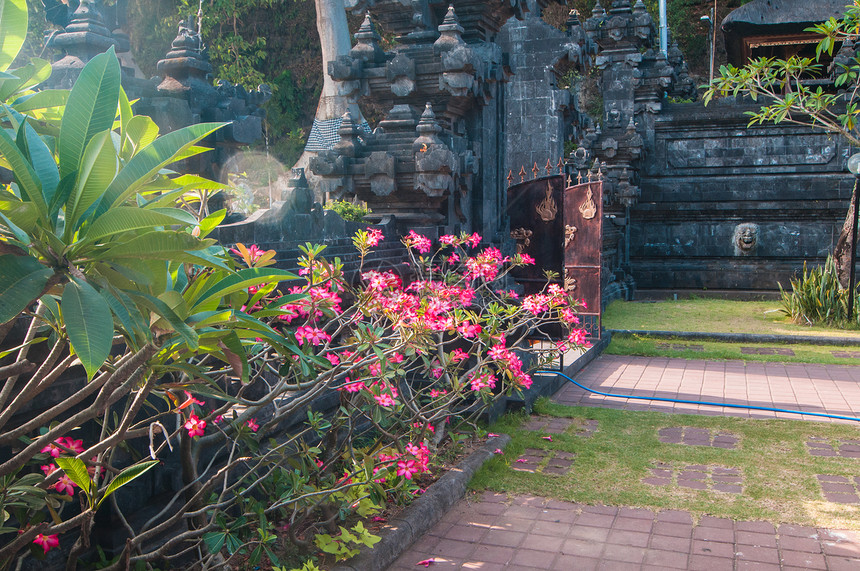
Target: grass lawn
779	482
712	316
681	348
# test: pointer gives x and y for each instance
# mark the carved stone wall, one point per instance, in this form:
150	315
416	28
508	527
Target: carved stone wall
724	206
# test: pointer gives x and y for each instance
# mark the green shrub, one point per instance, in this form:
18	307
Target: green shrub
354	212
817	298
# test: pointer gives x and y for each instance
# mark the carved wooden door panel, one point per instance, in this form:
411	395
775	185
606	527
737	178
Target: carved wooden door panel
535	211
583	239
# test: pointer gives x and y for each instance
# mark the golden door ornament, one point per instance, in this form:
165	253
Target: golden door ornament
569	281
588	209
547	209
523	238
569	234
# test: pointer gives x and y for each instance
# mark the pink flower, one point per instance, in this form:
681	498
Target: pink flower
434	393
375	369
384	400
497	451
536	304
458	355
547	438
453	258
374	236
406	468
491	435
474	240
485	380
332	358
427	562
526	260
313	335
417	241
379	519
436	372
523	460
448	239
195	426
569	316
65	484
49	469
395	358
352	387
218	419
252	424
577	337
47	542
52	449
421	426
467	330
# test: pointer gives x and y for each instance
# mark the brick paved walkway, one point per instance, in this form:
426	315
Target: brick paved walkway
831	389
490	531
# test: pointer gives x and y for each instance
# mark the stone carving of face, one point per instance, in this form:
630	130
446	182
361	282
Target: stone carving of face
745	239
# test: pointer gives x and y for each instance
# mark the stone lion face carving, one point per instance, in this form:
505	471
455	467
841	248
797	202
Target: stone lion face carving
745	239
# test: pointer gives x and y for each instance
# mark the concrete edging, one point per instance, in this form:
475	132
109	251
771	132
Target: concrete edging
743	337
424	512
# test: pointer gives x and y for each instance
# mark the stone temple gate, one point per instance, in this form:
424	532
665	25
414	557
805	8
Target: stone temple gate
475	101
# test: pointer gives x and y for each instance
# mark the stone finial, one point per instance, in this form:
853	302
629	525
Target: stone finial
631	126
185	69
367	42
82	39
572	19
427	125
639	8
598	11
348	136
451	23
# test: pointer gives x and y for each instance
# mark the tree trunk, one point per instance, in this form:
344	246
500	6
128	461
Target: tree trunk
335	41
844	247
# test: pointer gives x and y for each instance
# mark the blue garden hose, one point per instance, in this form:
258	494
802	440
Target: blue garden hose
727	405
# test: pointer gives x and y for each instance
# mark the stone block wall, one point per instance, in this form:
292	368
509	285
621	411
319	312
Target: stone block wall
724	206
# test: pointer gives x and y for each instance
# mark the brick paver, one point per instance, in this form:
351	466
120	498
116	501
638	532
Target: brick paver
568	536
492	531
832	389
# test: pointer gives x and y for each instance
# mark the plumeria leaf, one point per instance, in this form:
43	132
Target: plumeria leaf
76	470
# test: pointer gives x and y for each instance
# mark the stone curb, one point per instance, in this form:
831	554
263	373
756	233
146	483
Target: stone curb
743	337
424	512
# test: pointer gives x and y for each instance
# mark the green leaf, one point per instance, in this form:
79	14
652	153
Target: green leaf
46	99
234	344
158	244
22	280
124	218
98	168
76	470
33	73
89	324
187	333
141	131
13	30
90	109
152	158
25	176
44	165
242	279
129	474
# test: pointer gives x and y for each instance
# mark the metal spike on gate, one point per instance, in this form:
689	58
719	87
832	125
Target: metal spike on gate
535	170
569	181
548	167
578	176
599	172
560	166
510	177
522	173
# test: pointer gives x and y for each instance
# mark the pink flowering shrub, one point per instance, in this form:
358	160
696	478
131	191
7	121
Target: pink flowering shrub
411	356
